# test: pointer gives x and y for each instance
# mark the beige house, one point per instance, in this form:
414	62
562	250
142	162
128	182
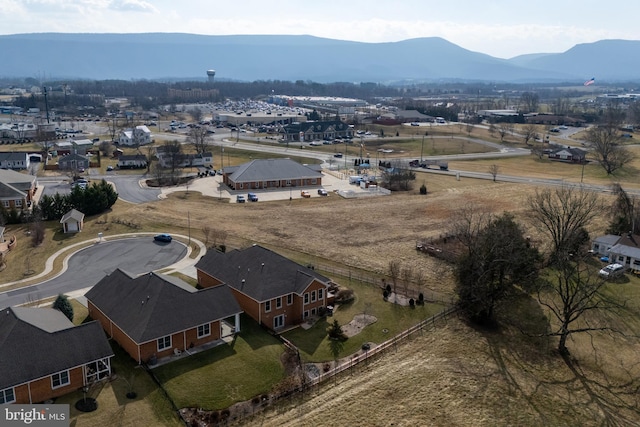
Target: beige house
72	221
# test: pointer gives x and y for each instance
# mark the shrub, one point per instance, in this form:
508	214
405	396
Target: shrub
420	299
423	189
385	294
388	288
412	303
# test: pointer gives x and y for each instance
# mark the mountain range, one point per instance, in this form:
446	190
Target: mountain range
163	56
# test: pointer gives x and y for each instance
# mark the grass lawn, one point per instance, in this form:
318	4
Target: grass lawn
217	378
392	319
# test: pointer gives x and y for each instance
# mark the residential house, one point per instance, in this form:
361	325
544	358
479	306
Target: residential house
82	146
62	148
16	189
568	154
313	131
271	289
623	249
73	162
72	221
44	355
271	173
14	160
153	316
134	161
140	135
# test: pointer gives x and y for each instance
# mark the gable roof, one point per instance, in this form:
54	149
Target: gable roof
259	272
152	305
28	334
8	191
132	157
72	214
21	181
272	170
13	156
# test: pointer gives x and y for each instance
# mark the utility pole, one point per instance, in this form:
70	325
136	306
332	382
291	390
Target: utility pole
422	149
46	102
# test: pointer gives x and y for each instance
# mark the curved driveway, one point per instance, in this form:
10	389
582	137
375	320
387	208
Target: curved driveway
89	265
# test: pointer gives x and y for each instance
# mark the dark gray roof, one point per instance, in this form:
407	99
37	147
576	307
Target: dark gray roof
272	170
266	274
607	239
8	191
154	305
38	342
13	155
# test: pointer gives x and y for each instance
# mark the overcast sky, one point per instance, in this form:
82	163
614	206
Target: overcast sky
503	28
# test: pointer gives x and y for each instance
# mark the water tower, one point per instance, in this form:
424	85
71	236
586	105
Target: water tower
210	75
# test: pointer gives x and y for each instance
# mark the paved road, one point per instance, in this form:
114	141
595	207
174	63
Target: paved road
88	266
127	186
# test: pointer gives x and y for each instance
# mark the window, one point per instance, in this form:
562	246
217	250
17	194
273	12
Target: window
313	311
306	314
59	379
313	296
6	203
204	330
164	342
267	306
289	299
7	396
19	203
306	298
320	294
279	302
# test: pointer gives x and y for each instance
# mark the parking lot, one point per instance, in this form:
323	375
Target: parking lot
211	186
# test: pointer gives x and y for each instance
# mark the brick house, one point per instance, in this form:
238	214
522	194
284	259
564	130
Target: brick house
273	290
568	154
153	316
271	173
16	189
44	355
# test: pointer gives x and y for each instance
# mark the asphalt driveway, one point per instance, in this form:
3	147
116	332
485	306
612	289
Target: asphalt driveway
88	266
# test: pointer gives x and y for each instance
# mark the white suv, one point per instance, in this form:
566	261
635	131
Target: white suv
612	271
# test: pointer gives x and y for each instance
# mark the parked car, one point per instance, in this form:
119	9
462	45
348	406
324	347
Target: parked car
109	168
305	194
253	197
240	198
322	192
164	237
338	155
612	271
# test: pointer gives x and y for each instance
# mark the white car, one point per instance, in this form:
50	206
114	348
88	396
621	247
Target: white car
612	271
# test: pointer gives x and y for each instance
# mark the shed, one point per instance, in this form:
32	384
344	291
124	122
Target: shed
72	221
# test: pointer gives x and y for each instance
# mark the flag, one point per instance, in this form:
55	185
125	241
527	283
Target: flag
590	82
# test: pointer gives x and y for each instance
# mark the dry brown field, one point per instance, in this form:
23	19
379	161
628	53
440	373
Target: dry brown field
453	374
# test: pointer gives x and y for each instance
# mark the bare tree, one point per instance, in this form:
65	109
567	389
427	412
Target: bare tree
504	129
173	154
493	170
529	102
199	139
538	151
407	277
113	126
606	149
529	132
564	213
106	147
469	127
572	291
394	272
196	114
